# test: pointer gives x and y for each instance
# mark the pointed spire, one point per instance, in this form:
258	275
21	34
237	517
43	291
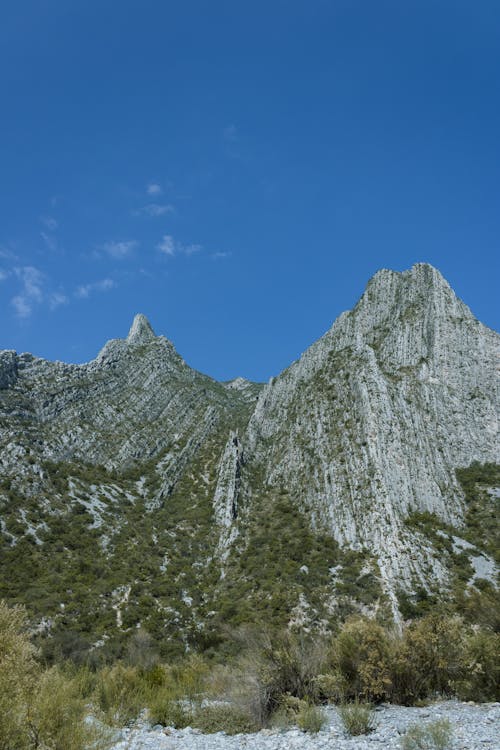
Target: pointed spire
140	331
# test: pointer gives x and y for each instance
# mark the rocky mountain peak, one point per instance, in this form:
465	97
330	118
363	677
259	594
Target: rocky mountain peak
141	331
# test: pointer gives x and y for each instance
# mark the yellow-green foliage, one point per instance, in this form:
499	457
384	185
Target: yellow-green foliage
357	717
18	673
38	709
429	659
436	735
480	680
56	716
120	693
361	660
223	717
311	718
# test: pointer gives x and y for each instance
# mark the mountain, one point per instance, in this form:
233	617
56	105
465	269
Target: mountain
135	490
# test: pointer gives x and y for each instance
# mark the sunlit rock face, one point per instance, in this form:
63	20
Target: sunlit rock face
371	422
366	427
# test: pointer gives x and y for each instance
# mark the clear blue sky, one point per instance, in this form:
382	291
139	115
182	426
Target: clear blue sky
238	170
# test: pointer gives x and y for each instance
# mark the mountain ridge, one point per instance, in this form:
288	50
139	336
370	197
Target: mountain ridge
362	433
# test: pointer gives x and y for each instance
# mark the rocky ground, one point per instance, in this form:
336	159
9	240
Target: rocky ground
475	727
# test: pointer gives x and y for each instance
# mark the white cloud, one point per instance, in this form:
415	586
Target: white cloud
50	241
49	223
85	290
154	189
157	209
169	246
32	281
57	299
22	306
119	250
3	275
220	255
31	292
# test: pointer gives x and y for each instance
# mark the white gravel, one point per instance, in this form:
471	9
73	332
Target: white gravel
475	727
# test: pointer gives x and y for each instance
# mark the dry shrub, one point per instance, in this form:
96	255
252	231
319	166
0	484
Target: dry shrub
430	658
435	735
357	717
311	719
39	709
120	694
141	650
171	712
361	660
481	678
57	713
223	717
18	674
275	665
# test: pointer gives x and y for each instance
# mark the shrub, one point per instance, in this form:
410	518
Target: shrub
311	719
361	657
171	712
223	717
357	717
39	709
429	659
120	693
332	687
56	718
436	735
273	666
141	650
18	674
481	678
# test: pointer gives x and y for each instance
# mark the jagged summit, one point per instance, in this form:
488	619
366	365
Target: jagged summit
344	465
140	331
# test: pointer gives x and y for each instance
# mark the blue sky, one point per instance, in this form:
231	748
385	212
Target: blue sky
237	171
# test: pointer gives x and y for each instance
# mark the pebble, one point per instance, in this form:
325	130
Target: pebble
475	726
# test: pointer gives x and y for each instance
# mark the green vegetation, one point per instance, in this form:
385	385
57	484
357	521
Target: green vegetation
357	717
435	735
39	708
278	679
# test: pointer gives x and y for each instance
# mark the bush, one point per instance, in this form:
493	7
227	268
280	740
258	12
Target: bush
430	658
311	719
361	658
481	680
223	717
357	717
436	735
163	709
120	693
39	709
273	666
56	718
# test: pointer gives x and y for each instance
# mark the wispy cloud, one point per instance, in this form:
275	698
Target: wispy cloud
49	223
220	255
154	189
119	250
56	299
50	241
103	285
167	245
170	247
31	292
3	275
156	209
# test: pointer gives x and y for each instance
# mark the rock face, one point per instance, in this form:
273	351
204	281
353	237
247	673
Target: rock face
372	421
366	428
